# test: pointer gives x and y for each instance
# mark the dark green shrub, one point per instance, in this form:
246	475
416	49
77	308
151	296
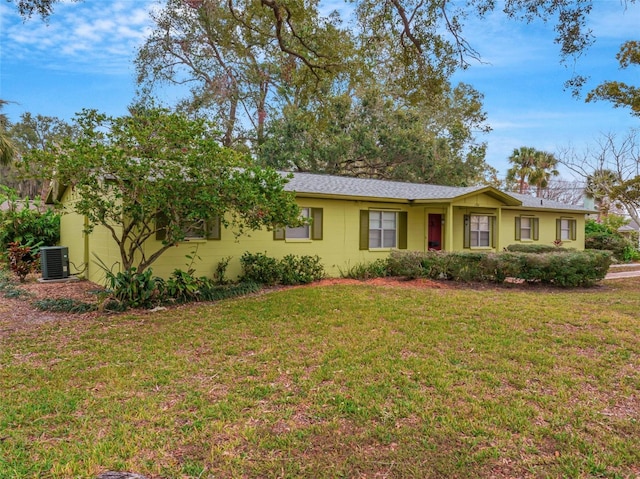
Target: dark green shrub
259	268
182	286
135	290
620	246
565	268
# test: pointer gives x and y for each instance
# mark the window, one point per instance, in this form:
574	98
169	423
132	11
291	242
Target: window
309	231
383	229
526	228
479	231
210	230
300	232
566	229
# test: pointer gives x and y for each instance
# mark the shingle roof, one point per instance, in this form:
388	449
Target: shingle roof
369	188
312	183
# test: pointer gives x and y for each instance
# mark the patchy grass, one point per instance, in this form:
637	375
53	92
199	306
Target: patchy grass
337	381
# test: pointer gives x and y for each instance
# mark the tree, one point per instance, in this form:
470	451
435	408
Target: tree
371	134
44	8
619	93
32	133
531	167
7	148
611	170
158	172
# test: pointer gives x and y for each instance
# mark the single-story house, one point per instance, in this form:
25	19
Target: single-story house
354	220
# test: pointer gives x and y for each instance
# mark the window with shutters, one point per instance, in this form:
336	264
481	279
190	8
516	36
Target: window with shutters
526	228
198	230
380	229
480	231
311	230
566	229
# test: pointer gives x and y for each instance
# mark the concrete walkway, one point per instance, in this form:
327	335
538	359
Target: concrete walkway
613	274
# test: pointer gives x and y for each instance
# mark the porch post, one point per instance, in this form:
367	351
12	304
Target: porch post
448	229
498	225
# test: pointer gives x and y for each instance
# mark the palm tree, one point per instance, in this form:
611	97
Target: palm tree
531	167
544	168
7	148
523	161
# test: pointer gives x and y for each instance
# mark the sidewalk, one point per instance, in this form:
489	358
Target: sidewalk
612	274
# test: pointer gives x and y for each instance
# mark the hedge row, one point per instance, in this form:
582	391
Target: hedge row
563	268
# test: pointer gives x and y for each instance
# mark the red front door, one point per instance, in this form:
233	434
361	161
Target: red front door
434	233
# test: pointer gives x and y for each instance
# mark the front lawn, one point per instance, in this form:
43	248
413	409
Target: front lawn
333	381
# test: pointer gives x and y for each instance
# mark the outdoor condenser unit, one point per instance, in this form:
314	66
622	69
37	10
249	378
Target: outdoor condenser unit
55	262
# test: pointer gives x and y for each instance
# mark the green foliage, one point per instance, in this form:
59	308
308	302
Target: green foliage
64	305
134	289
27	222
564	268
531	167
128	170
262	269
364	271
619	93
531	248
220	272
367	133
183	287
604	236
23	260
300	269
8	286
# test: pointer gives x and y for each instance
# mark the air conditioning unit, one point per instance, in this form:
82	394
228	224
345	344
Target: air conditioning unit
55	262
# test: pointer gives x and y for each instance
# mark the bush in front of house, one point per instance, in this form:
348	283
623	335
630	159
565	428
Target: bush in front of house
290	270
565	268
364	271
605	236
532	248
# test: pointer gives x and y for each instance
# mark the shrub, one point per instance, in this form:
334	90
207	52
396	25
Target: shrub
181	286
605	236
133	289
220	273
262	269
217	292
22	260
532	248
26	222
259	268
364	271
300	269
564	268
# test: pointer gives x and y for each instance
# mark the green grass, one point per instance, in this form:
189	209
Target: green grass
338	381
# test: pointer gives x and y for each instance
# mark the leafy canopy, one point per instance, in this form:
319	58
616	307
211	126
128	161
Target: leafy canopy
128	170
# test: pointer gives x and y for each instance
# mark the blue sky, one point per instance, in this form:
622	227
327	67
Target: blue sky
83	58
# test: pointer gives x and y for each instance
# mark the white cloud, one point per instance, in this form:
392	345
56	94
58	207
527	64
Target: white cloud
88	36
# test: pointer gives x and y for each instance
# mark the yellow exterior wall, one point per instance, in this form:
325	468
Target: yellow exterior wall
72	234
338	250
